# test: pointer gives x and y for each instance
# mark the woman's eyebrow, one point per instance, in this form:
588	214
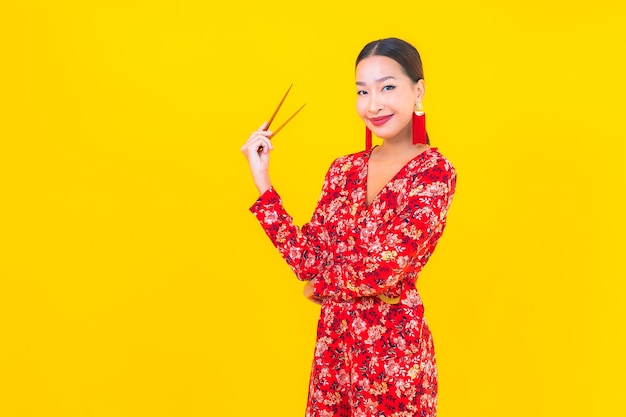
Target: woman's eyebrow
379	80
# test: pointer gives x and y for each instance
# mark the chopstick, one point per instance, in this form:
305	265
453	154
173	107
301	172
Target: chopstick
287	121
269	122
274	133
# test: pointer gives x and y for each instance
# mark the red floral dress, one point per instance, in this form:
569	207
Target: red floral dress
374	353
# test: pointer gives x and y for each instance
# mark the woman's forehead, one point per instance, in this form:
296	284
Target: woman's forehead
378	69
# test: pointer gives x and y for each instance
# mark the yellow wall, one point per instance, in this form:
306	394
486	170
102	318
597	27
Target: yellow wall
134	282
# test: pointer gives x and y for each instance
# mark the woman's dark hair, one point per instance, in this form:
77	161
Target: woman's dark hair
400	51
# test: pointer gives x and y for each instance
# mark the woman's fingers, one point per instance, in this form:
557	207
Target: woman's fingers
256	147
316	300
256	150
308	292
257	142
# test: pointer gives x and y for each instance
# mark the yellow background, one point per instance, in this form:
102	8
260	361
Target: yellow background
134	282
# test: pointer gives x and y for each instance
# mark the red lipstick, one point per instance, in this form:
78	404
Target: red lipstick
379	121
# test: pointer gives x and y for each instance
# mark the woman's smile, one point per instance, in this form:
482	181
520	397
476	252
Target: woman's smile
379	121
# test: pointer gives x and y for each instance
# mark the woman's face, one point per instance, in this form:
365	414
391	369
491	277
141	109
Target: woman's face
386	96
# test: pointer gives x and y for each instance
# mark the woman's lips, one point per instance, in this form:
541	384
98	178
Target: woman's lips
379	121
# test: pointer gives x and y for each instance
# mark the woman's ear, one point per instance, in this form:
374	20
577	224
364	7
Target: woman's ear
420	90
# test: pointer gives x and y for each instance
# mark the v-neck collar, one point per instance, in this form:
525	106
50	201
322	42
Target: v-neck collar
368	155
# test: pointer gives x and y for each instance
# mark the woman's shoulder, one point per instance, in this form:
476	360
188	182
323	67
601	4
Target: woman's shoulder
434	159
431	166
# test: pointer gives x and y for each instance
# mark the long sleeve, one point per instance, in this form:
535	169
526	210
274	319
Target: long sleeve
399	238
305	249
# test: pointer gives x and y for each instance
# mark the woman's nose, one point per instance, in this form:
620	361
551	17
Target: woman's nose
375	104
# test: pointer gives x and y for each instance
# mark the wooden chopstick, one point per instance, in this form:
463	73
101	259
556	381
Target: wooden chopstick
269	122
267	126
275	132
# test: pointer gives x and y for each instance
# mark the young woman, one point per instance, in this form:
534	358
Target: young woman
378	220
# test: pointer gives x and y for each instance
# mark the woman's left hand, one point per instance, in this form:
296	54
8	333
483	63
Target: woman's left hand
309	292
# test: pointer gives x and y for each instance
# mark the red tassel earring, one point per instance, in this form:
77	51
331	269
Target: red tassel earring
368	138
419	125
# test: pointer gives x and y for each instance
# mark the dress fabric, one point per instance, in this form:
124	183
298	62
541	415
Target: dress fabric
374	354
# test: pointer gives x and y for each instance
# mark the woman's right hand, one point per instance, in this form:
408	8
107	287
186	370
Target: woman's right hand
257	151
309	292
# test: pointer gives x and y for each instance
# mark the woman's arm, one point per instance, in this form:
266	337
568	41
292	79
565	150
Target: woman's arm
305	249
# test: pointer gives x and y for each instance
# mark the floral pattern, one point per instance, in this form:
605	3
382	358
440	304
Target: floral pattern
374	354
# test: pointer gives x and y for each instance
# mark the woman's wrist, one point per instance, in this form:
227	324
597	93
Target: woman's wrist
263	184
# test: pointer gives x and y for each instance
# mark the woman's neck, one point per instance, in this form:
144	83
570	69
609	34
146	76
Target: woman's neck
400	146
400	149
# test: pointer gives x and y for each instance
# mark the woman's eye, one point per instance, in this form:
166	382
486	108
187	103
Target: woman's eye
361	93
389	87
